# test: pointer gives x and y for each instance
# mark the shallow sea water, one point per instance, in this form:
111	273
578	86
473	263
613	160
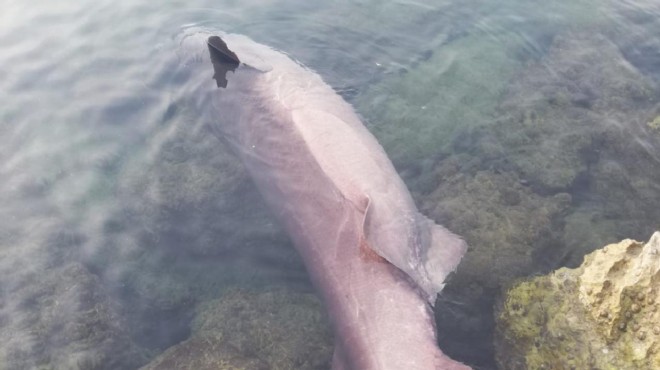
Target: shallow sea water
530	128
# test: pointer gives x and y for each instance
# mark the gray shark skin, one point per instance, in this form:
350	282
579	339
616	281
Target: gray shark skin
377	263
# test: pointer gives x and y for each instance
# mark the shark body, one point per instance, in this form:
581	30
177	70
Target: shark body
377	263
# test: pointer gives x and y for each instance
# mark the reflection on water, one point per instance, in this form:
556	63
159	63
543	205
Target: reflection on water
532	130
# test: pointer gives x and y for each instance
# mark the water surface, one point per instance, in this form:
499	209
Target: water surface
126	228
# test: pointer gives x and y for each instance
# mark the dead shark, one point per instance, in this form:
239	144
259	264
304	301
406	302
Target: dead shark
376	261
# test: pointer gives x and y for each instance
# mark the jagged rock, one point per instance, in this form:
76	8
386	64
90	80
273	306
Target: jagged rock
566	166
604	314
509	228
535	159
252	331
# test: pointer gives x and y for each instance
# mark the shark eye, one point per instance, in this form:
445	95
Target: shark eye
223	59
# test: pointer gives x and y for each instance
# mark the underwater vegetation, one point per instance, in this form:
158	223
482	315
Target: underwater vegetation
554	160
537	147
190	226
416	110
603	314
566	167
573	137
275	329
114	281
64	319
414	115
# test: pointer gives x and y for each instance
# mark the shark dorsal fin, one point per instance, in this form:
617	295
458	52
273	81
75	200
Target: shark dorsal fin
220	52
223	59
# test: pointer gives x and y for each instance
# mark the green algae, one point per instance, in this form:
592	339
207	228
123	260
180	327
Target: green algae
415	114
600	315
502	219
276	329
521	187
530	314
655	123
73	324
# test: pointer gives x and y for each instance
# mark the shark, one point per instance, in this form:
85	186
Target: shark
375	260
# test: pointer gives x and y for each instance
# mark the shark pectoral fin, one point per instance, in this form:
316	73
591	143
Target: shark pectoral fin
443	254
367	253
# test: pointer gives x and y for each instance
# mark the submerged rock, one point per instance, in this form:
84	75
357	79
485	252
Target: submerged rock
63	319
655	124
205	353
503	219
535	164
604	314
414	114
558	112
183	224
252	331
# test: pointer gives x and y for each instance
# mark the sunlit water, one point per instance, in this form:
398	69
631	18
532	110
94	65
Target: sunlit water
530	128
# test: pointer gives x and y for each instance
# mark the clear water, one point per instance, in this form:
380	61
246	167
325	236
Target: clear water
531	128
